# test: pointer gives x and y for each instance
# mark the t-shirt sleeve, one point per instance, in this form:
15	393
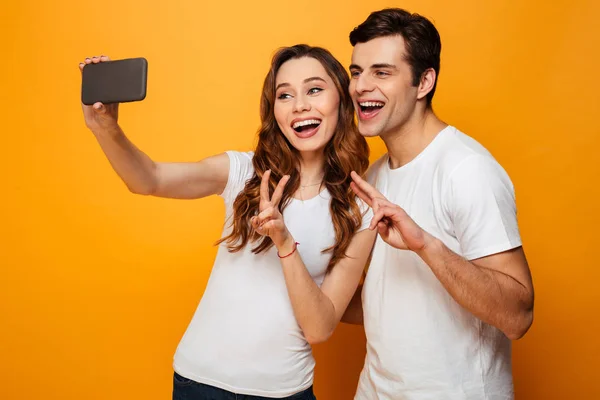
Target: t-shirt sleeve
482	207
240	170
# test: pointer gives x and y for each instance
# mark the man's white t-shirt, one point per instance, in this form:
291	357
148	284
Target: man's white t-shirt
422	345
244	336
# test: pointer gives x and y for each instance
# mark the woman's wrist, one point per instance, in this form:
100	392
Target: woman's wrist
112	130
286	247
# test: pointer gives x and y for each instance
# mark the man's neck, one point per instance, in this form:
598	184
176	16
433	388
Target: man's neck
412	138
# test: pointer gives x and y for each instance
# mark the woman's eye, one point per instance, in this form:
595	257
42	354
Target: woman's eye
283	96
314	90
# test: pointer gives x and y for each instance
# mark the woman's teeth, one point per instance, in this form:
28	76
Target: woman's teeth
306	124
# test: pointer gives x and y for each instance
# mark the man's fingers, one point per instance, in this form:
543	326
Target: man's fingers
383	202
365	187
368	193
383	228
384	214
361	194
377	218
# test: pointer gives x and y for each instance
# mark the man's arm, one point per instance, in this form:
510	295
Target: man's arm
354	312
497	289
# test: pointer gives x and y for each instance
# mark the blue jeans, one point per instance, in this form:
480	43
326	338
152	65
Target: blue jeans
187	389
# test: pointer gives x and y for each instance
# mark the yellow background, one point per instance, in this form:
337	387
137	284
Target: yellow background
97	285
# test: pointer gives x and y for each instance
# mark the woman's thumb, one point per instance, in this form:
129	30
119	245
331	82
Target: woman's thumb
99	108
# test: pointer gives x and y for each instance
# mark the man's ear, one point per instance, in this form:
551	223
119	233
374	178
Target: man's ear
426	83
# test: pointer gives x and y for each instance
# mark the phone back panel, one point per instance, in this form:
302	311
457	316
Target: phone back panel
118	81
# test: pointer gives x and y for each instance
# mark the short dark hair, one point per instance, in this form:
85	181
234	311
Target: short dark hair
422	40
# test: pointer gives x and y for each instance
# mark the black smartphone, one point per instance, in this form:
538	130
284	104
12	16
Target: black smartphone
118	81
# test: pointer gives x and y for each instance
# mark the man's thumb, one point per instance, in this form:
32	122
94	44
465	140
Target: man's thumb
382	228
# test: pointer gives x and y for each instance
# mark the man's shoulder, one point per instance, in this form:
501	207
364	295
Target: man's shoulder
466	164
458	149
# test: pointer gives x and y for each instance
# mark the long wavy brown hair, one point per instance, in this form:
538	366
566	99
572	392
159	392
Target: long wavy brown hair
346	151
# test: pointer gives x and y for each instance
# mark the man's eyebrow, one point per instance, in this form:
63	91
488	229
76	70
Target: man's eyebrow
374	66
383	65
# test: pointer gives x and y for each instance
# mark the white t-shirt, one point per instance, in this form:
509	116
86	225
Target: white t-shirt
244	336
422	345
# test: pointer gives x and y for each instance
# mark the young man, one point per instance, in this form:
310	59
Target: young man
448	286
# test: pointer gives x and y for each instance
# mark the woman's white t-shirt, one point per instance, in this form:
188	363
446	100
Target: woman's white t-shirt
244	336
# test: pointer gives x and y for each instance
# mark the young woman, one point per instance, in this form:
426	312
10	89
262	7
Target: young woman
295	240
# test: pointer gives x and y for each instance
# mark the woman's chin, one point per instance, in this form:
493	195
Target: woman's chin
310	148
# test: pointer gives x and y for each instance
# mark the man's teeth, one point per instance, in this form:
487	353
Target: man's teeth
306	122
371	104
